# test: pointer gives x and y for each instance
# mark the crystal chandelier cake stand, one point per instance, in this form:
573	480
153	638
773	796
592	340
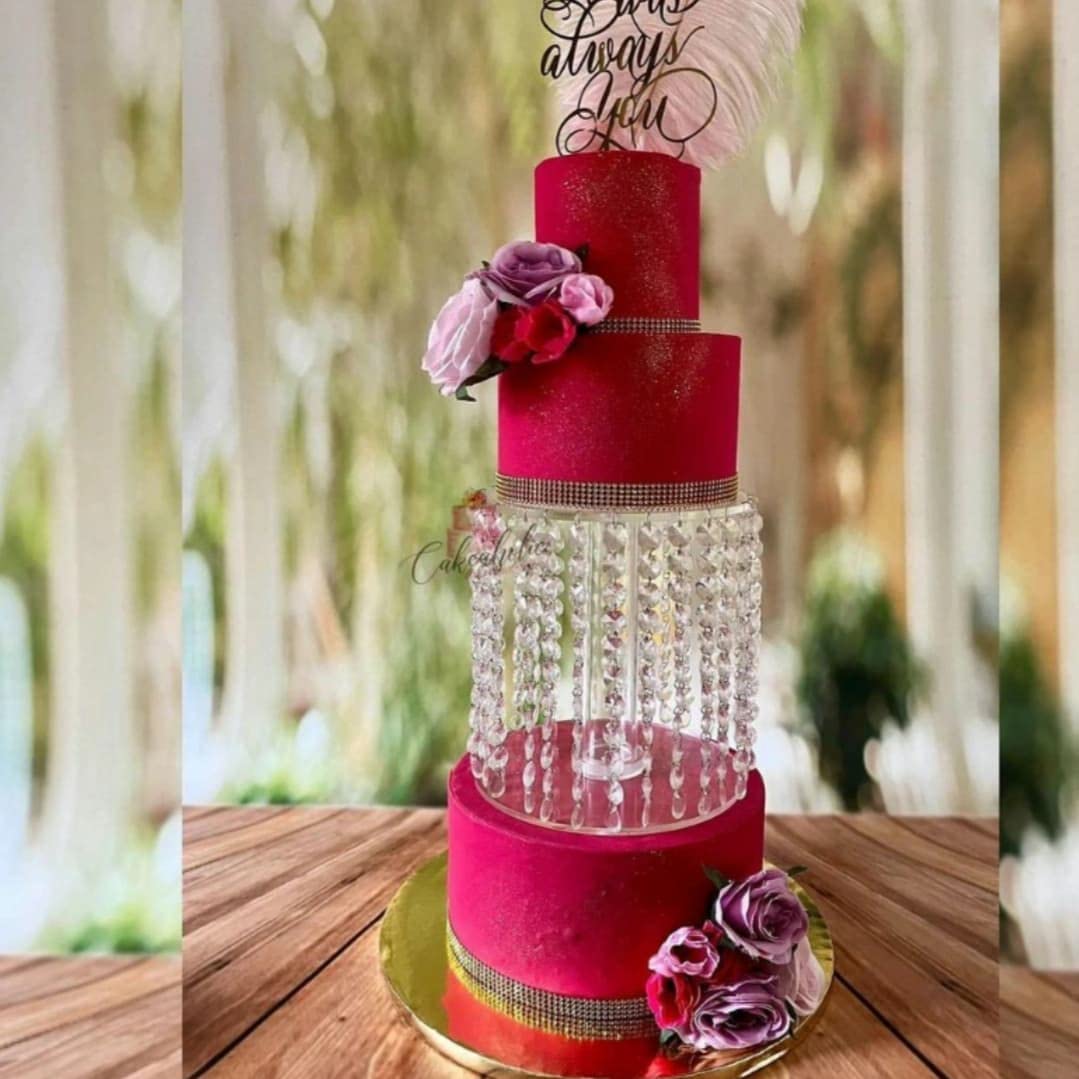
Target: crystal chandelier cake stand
615	662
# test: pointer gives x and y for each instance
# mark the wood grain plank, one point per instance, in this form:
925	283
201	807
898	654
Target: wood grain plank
971	838
239	865
214	893
26	977
897	873
919	947
1039	1025
203	850
262	857
202	823
850	1042
342	1023
39	978
988	826
103	1017
936	846
268	937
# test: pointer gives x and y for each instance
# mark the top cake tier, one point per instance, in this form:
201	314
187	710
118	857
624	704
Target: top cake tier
640	215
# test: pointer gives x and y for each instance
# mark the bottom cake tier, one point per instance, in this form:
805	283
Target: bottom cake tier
498	1036
537	915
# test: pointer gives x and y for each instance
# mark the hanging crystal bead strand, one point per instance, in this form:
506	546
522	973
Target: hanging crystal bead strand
527	610
580	559
726	616
490	668
747	653
709	556
680	567
549	584
477	717
613	597
649	626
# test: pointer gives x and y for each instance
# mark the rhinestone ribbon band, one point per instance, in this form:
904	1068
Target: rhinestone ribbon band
648	325
570	1017
562	494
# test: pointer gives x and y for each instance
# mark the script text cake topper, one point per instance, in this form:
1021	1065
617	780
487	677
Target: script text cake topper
688	78
601	38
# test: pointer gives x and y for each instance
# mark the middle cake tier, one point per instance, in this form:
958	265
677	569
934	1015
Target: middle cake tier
625	409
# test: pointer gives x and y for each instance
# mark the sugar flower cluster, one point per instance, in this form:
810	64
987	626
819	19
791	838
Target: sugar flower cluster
527	305
745	977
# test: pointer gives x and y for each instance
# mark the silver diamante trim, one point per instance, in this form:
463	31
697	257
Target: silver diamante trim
562	494
572	1017
648	325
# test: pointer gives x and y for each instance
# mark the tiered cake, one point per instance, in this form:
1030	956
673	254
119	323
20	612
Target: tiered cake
608	912
616	629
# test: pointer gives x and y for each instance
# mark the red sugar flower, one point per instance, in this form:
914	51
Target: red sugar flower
543	333
504	342
673	999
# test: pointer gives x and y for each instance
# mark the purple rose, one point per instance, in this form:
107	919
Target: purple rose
801	982
740	1015
762	916
522	273
587	298
687	951
460	339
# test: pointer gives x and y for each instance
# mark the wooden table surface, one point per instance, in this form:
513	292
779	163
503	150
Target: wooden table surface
282	912
102	1017
1039	1025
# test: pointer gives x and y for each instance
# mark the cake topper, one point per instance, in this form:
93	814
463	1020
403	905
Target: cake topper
688	78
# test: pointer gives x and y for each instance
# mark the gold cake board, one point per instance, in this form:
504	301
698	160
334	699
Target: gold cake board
415	965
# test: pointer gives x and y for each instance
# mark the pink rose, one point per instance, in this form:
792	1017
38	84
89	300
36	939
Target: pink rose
547	331
762	916
587	298
460	339
739	1015
687	951
673	999
801	982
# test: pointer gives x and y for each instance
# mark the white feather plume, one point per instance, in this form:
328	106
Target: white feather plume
743	46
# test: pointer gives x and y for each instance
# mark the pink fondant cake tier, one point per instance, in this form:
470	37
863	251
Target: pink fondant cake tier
625	408
581	915
640	215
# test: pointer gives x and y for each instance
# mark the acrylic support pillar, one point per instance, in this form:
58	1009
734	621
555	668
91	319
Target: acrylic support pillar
615	663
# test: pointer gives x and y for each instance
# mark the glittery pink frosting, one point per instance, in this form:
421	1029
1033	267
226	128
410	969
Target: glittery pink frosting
582	914
640	215
625	408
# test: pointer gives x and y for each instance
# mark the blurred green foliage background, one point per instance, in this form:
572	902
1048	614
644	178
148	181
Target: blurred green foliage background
399	140
393	163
